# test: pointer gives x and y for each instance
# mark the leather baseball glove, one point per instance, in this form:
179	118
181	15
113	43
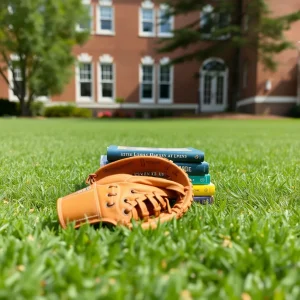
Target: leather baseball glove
120	192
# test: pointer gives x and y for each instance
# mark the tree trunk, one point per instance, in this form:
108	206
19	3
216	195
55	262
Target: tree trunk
25	108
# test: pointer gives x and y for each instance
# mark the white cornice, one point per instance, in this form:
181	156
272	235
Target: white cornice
106	58
147	4
147	60
84	57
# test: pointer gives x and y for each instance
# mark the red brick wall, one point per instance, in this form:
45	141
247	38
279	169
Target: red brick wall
3	87
284	80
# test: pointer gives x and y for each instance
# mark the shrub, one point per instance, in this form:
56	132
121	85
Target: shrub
120	100
295	111
37	108
63	111
79	112
8	108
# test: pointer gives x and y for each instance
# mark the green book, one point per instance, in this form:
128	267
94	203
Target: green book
205	179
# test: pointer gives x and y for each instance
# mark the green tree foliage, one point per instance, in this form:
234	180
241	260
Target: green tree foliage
224	24
36	42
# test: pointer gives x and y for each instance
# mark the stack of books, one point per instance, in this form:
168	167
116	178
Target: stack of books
189	159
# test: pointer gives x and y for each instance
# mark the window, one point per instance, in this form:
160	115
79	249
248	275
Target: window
211	22
17	81
147	80
106	71
147	19
106	18
84	78
87	25
165	81
107	80
166	23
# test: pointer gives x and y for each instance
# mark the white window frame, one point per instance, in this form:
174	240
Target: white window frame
11	95
147	61
84	58
147	5
162	62
162	8
105	3
209	9
88	3
106	59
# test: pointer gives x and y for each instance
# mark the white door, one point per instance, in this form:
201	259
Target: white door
213	86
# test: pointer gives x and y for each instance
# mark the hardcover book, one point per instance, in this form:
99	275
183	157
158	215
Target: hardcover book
204	190
192	169
205	179
188	154
204	199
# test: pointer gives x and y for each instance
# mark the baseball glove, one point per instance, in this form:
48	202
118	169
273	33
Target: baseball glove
121	192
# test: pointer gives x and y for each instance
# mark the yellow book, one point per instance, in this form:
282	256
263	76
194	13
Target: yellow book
204	190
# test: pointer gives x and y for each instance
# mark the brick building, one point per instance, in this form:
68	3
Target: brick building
120	61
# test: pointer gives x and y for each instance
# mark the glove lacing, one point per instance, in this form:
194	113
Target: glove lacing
159	204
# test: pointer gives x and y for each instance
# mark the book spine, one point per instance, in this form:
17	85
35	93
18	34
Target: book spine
193	169
204	190
204	199
180	155
197	172
205	179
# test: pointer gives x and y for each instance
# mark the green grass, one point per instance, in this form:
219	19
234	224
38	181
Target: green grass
245	245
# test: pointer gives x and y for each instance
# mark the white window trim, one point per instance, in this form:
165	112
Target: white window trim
11	95
147	4
162	62
105	3
106	58
163	7
84	58
210	8
147	60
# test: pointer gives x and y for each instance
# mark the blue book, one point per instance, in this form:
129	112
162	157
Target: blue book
204	199
194	169
188	154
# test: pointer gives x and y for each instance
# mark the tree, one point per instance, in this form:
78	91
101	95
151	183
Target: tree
36	42
222	25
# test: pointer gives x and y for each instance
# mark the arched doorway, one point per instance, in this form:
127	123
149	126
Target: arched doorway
213	85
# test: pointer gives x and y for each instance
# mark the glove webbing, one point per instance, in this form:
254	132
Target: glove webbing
159	203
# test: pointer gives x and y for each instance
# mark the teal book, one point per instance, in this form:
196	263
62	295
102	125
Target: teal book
205	179
194	169
188	154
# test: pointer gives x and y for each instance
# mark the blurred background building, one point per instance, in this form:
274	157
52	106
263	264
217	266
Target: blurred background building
120	67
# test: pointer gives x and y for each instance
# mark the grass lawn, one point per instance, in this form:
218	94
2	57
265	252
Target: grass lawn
245	246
